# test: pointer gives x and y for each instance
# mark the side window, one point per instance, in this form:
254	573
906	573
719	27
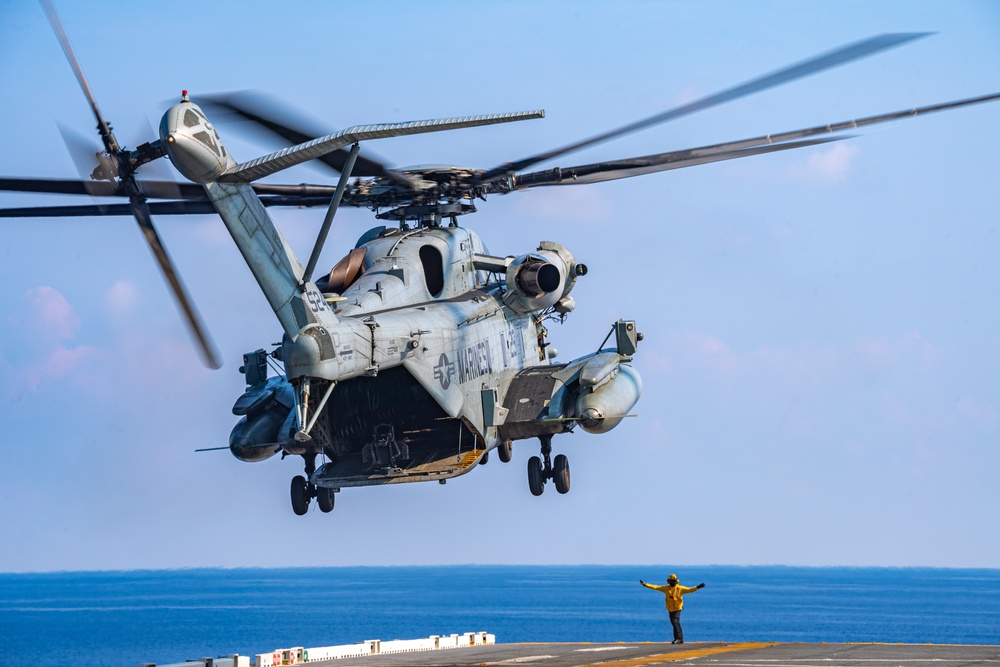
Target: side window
433	264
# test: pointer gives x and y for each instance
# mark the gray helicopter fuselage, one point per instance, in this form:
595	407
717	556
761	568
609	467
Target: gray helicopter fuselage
419	352
421	304
424	344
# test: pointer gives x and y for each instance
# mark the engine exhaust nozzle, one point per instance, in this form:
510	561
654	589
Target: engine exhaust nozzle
538	278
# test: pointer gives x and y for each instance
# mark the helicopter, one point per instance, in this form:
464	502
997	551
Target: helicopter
420	352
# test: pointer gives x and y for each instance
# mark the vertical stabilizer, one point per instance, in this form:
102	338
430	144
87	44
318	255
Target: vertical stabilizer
273	263
196	150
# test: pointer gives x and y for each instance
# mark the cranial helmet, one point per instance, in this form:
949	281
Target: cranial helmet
672	577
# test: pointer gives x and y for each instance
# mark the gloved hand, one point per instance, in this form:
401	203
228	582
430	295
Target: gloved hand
642	582
700	586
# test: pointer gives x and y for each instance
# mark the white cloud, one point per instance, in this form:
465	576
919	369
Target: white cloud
45	310
38	347
121	299
61	361
825	166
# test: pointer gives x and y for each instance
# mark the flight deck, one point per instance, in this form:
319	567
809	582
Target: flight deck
708	654
645	654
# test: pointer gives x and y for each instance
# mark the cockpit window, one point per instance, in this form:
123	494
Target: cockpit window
433	264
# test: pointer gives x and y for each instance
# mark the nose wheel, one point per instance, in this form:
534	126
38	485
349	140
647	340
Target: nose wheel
303	491
541	469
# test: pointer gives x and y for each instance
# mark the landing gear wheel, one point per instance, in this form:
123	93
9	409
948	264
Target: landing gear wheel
484	459
505	450
325	498
536	479
560	473
300	495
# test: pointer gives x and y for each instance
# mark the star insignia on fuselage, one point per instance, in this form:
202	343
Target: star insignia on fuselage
444	371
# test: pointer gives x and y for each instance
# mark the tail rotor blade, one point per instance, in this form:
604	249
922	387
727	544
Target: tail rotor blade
141	212
87	158
110	143
119	168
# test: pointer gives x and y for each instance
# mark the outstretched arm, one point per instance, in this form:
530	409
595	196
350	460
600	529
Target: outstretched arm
652	586
686	589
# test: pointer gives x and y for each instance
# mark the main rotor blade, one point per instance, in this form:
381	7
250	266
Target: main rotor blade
189	192
650	164
101	210
247	172
110	143
606	171
293	191
140	209
815	65
62	186
298	200
267	113
152	189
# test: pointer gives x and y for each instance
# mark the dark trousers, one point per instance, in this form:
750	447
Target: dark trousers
675	620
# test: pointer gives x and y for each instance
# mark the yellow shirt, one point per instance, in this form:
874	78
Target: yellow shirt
674	594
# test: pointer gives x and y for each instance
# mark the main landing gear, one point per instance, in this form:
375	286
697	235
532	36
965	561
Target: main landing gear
543	469
303	491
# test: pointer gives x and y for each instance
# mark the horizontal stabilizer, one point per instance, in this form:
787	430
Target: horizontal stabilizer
310	150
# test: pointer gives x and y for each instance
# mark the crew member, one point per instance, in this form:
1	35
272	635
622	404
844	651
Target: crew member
674	593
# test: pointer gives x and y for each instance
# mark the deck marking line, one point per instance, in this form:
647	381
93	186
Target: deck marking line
719	663
779	664
605	648
784	661
515	661
896	660
684	654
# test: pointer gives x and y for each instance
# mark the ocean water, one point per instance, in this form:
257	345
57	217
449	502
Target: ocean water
119	619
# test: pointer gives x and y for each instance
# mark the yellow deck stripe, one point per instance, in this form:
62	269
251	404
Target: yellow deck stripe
684	654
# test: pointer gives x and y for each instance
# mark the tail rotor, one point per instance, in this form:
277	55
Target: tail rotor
118	165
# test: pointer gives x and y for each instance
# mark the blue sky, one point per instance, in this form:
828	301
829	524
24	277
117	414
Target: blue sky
821	359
